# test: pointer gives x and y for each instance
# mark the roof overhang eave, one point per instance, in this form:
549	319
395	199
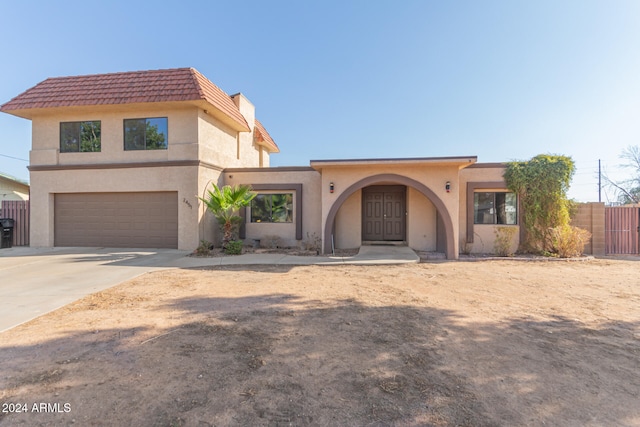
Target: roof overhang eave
271	148
213	111
460	162
15	181
22	113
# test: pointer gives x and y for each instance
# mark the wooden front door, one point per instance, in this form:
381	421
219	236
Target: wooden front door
383	213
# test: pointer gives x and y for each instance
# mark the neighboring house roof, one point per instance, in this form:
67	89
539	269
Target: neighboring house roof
12	188
13	179
263	138
180	84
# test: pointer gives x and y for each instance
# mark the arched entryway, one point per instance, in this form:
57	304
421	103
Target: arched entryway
394	179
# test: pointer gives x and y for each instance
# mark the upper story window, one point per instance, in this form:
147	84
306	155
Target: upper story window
79	137
272	208
495	208
145	134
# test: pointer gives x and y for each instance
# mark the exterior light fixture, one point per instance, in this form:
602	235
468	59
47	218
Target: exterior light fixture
331	187
447	187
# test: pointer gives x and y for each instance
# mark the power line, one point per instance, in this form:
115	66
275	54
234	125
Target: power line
15	158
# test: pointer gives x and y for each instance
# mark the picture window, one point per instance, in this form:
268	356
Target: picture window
276	208
495	208
80	137
145	134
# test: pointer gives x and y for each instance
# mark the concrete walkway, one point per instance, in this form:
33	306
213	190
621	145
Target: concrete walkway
368	255
35	281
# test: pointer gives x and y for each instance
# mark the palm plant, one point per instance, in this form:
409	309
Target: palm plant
281	207
225	204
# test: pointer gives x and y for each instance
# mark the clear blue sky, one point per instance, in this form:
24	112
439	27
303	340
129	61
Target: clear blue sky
503	80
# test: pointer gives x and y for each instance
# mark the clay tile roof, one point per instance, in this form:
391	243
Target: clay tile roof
180	84
264	138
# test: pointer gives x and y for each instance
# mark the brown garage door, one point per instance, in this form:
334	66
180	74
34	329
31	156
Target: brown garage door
120	220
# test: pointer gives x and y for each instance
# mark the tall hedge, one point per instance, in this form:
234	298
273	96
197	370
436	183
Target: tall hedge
541	185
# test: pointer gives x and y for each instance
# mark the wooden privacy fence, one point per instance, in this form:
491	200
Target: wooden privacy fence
622	230
19	212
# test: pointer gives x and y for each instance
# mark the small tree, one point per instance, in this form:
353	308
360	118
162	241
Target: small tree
541	184
628	190
225	204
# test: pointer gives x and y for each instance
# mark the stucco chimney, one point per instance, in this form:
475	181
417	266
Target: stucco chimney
246	109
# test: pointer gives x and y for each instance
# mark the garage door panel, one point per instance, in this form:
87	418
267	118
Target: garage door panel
117	219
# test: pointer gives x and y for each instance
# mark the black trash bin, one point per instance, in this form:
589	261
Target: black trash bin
6	232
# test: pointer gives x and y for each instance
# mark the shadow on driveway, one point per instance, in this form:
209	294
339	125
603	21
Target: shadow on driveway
36	281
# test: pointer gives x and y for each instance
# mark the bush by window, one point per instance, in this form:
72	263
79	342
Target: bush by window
80	137
145	134
495	208
272	208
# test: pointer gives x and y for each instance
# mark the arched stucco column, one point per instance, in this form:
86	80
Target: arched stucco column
396	179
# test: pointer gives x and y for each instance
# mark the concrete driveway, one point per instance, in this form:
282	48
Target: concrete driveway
35	281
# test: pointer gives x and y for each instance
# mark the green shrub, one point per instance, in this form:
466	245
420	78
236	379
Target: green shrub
504	238
541	185
234	247
204	249
566	241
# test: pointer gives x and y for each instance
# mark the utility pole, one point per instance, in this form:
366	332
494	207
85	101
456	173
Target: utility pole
599	182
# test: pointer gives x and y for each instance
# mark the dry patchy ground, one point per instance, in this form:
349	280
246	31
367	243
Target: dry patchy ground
491	343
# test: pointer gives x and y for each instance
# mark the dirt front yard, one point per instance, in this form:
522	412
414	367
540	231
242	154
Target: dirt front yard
491	343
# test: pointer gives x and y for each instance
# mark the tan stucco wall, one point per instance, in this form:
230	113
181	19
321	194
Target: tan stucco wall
182	129
484	234
207	224
249	151
311	208
218	142
263	157
477	173
421	222
432	176
192	135
219	145
45	184
349	223
10	190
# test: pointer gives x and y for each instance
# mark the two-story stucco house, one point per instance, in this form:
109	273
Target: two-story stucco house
121	159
